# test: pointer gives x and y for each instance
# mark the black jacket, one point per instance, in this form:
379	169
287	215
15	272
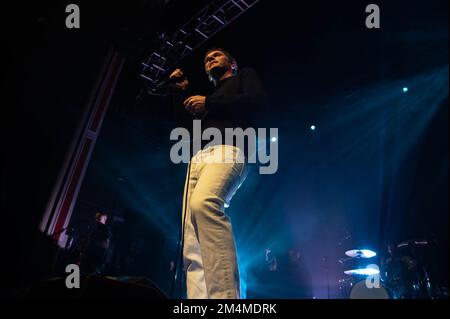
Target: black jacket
237	101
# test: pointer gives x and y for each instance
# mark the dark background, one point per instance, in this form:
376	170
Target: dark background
374	171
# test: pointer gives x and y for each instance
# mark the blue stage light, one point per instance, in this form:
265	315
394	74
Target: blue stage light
273	139
405	89
312	127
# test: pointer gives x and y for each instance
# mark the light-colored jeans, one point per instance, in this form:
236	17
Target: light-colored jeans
209	252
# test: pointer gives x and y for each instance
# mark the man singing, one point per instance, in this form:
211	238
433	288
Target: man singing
209	251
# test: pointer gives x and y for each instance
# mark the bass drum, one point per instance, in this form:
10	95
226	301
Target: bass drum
361	291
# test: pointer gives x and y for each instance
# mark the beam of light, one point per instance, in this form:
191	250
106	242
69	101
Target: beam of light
355	126
367	113
140	193
359	120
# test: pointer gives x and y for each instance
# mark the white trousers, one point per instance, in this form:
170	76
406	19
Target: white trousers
209	252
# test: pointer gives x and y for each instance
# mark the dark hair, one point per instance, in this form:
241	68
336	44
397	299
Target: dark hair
100	213
229	56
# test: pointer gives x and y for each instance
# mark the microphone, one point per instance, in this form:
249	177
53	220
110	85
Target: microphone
170	81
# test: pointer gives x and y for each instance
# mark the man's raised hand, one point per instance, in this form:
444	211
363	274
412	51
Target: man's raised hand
181	81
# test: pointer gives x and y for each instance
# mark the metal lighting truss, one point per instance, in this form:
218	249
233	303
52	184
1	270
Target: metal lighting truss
212	18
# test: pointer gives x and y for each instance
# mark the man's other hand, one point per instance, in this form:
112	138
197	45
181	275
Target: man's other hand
195	104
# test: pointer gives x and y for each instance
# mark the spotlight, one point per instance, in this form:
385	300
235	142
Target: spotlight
273	139
312	127
405	89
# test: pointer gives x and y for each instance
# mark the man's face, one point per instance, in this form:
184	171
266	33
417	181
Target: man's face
216	59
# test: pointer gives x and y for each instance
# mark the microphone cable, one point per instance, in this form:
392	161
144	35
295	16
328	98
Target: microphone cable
181	240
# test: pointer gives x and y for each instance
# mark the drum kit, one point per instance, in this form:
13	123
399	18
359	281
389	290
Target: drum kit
402	274
355	285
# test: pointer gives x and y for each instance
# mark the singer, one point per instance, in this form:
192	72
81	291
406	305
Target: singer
209	250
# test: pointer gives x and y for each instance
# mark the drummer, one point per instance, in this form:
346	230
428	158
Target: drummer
393	257
398	269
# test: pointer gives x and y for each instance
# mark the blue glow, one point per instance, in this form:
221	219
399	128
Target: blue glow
273	139
313	127
405	89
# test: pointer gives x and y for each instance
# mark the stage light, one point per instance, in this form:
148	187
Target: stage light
405	89
312	127
273	139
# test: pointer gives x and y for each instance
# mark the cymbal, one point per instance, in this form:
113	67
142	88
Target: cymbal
415	242
360	253
362	272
